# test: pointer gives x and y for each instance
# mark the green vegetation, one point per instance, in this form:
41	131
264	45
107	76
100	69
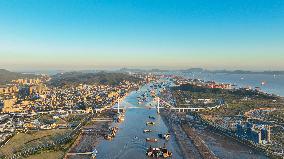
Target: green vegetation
235	93
277	115
48	155
25	140
71	78
237	101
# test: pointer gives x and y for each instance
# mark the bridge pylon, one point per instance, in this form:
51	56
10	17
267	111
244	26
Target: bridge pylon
118	107
158	105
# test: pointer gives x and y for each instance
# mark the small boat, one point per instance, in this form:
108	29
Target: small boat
158	152
94	153
164	136
108	137
120	118
152	117
147	131
151	140
150	123
114	129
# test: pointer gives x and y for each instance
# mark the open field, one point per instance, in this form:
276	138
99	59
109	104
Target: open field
24	140
48	155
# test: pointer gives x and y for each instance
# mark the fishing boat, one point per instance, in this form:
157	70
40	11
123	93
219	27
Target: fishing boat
147	131
151	140
114	129
120	118
158	152
150	123
94	154
108	137
164	136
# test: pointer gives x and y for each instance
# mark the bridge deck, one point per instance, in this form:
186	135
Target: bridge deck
79	153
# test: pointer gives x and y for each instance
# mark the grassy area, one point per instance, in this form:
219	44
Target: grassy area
277	116
236	104
48	155
24	140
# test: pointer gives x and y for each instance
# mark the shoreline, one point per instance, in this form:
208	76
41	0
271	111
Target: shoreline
98	128
186	150
87	140
241	86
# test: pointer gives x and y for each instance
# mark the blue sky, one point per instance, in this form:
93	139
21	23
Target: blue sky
80	34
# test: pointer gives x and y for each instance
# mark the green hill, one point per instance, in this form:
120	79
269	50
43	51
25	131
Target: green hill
70	78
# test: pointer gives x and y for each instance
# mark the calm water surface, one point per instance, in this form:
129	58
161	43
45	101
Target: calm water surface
273	84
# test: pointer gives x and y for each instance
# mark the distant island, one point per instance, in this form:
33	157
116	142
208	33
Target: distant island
93	76
192	70
198	70
248	72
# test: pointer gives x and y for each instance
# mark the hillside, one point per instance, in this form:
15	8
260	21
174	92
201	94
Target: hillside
69	78
7	76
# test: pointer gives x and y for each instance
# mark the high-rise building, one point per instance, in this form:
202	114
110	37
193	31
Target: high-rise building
265	134
253	133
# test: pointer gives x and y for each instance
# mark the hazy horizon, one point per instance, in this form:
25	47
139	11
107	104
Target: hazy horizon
57	70
180	34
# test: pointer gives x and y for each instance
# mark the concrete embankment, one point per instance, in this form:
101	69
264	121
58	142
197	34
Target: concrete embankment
186	145
89	137
198	142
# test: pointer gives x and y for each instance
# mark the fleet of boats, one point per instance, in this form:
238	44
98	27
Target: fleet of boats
157	152
111	134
